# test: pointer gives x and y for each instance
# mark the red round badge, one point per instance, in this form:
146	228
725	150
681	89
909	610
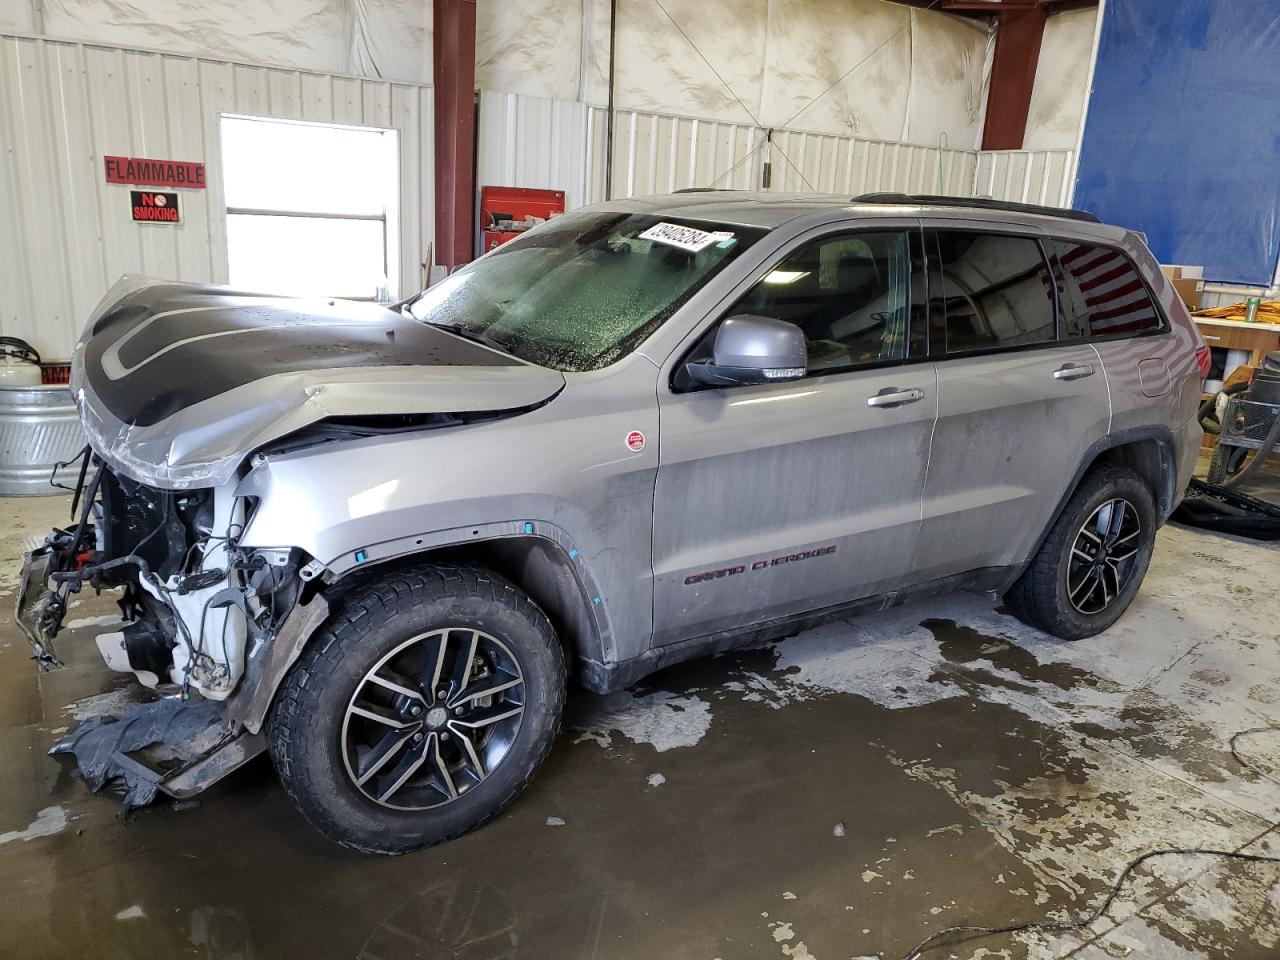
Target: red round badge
635	441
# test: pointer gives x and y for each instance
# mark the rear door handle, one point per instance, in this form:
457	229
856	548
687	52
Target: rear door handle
1073	371
895	397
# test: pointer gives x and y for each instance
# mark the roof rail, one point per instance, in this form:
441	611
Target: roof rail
707	190
981	203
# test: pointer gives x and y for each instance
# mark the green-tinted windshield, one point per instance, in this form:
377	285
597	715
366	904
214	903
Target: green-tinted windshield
583	290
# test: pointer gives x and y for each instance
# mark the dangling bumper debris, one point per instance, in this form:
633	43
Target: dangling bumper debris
39	610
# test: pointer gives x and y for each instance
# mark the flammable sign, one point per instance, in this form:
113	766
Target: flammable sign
152	207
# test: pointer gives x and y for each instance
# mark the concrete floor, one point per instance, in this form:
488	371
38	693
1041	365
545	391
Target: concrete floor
839	794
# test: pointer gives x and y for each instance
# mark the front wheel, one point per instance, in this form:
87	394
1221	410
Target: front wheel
1087	571
420	710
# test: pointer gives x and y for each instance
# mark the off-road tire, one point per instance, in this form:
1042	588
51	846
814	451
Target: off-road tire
303	728
1039	596
1225	462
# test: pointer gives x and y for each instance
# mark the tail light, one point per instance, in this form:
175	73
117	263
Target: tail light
1204	360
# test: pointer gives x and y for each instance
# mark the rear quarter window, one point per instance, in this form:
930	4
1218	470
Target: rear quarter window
1101	292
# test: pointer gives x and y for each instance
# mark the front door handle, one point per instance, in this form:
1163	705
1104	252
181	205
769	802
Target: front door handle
895	397
1073	371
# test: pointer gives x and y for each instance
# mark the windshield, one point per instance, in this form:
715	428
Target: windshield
583	290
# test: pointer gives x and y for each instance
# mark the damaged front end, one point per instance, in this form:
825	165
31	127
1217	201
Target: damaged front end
203	624
191	600
181	388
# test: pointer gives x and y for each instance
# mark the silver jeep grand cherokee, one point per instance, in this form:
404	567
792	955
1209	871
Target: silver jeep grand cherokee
373	542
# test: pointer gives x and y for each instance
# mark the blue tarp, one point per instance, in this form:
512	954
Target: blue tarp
1182	137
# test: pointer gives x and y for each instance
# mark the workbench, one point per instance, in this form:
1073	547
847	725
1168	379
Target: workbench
1258	338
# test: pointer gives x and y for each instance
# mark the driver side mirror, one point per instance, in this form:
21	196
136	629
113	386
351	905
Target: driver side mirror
751	349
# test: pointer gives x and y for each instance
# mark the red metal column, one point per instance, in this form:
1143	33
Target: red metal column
1013	74
454	73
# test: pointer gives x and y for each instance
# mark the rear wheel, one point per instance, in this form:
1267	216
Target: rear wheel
1087	571
420	710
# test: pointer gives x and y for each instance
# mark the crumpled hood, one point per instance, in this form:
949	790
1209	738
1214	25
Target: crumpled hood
178	383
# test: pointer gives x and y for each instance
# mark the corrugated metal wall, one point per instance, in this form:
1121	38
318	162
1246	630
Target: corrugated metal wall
1026	176
659	154
66	234
852	165
534	142
529	141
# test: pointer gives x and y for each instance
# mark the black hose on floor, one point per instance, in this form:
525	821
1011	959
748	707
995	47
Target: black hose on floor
934	940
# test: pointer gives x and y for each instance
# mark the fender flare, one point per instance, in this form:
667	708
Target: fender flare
419	543
252	700
1166	499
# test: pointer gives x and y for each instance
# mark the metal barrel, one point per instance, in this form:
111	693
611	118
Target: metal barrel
38	429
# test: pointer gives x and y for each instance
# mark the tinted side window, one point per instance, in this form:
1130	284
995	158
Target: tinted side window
1101	293
850	294
996	289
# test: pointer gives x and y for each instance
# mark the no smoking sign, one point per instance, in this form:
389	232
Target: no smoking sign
150	206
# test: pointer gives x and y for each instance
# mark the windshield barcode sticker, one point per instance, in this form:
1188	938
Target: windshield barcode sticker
686	238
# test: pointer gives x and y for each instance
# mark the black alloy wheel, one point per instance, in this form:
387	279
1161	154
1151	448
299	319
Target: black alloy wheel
433	718
1103	556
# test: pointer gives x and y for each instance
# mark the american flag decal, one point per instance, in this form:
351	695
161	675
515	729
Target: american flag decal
1111	294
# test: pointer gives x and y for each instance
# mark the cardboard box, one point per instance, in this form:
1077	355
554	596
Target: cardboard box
1187	283
1189	291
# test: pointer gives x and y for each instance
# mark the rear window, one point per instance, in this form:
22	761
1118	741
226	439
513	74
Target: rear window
997	291
1101	293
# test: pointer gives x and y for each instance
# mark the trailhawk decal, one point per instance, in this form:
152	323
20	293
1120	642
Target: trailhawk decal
759	565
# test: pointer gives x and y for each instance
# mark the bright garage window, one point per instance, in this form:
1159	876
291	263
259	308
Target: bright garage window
311	207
